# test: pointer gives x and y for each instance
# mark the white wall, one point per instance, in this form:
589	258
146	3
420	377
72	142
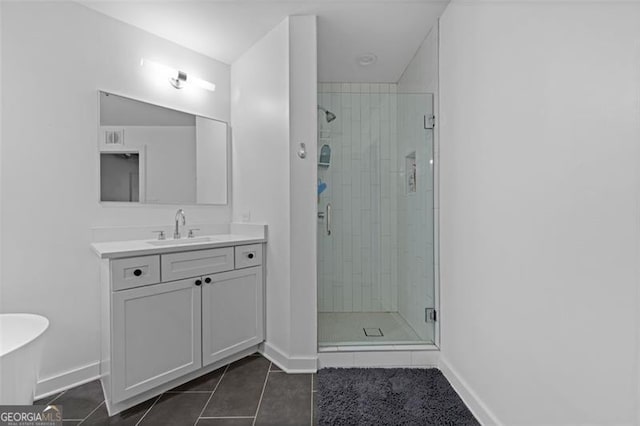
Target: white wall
303	66
261	193
1	151
540	131
358	262
421	74
55	57
271	184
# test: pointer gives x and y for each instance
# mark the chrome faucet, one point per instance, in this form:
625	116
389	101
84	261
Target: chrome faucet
179	214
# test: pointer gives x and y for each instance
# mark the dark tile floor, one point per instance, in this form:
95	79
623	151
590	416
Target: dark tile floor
249	392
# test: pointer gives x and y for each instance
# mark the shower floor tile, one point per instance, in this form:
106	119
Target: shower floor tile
348	328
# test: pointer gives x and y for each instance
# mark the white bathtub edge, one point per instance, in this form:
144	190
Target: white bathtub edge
40	322
66	380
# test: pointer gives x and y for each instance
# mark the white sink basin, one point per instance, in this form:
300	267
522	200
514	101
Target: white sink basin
183	241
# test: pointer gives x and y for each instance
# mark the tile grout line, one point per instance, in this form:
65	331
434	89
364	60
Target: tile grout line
56	397
147	412
92	411
211	396
262	394
229	417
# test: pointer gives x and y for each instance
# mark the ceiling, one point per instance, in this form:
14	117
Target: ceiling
224	30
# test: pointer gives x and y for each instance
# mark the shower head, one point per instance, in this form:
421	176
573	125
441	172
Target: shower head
328	114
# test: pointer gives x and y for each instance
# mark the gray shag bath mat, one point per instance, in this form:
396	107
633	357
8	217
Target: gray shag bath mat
388	396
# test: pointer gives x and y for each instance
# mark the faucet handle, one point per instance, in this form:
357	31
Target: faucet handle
191	233
160	235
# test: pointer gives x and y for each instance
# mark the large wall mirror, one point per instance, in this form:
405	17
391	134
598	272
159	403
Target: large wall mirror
155	155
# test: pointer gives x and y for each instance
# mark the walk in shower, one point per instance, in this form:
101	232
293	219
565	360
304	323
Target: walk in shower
376	275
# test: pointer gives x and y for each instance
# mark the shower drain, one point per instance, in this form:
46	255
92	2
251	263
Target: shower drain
373	332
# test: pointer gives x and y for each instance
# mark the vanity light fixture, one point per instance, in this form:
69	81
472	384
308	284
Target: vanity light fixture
177	78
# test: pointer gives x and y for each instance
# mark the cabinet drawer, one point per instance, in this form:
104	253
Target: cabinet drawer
134	272
247	256
176	266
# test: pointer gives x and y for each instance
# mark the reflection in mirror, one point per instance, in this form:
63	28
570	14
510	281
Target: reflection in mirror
119	177
156	155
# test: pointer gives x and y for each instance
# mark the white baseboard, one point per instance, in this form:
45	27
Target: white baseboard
68	379
81	375
286	363
477	407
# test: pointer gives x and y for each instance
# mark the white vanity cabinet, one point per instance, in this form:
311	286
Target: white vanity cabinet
155	336
230	327
170	317
185	264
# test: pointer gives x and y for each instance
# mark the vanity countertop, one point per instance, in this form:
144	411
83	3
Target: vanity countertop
118	249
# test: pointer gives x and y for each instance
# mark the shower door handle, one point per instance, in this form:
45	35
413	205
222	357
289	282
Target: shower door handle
328	218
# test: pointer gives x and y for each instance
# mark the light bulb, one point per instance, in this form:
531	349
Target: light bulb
203	84
159	69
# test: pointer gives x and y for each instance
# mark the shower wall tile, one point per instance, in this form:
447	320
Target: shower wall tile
347	292
356	271
385	139
337	299
346	102
357	292
367	301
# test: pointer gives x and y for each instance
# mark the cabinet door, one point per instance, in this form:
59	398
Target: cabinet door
156	336
232	313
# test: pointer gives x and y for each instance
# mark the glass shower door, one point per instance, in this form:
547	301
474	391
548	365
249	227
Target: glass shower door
375	266
416	214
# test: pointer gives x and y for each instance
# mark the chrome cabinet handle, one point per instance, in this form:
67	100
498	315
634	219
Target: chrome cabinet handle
328	218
